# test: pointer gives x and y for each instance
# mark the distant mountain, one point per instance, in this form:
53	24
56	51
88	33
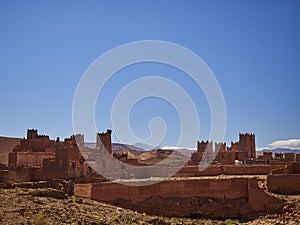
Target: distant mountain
119	146
184	151
279	150
154	156
90	144
144	146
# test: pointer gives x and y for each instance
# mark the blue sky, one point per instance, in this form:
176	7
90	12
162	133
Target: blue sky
252	47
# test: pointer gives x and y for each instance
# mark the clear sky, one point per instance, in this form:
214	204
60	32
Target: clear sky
253	48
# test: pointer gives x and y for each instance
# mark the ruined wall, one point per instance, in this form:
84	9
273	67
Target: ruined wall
39	158
248	169
35	145
104	141
212	198
19	175
192	171
213	188
284	183
25	159
215	170
67	155
260	202
287	168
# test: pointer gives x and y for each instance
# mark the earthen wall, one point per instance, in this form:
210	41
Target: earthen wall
25	159
284	183
213	198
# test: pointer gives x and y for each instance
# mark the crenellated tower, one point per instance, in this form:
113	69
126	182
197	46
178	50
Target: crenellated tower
247	144
104	141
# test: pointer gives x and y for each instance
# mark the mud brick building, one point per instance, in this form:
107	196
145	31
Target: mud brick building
244	149
39	158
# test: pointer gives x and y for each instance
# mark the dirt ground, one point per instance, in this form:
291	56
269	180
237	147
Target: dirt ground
49	206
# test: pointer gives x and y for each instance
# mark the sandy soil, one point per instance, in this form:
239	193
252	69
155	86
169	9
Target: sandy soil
49	206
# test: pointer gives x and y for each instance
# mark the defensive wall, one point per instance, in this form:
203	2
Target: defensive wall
50	169
215	170
285	181
193	171
209	198
287	184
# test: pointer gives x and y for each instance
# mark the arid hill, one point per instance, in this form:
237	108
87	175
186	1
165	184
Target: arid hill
6	145
151	157
118	146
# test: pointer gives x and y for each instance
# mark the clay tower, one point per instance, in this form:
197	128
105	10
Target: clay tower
247	144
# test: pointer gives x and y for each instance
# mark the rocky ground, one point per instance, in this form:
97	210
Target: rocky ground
49	206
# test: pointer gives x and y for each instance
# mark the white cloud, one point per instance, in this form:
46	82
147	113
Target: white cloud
291	143
262	148
176	148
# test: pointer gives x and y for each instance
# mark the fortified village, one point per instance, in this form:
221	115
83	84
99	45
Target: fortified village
229	187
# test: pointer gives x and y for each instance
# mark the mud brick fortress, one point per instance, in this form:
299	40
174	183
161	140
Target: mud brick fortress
227	188
39	158
242	150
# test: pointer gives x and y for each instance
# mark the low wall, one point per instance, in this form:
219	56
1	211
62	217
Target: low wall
192	171
215	170
284	183
227	189
210	198
83	190
24	174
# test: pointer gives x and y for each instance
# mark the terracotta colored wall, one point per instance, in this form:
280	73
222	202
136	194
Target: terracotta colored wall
259	201
296	168
20	159
284	183
83	190
18	175
228	189
35	145
212	198
247	169
228	170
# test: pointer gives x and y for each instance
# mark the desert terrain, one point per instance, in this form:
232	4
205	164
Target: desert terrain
50	206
